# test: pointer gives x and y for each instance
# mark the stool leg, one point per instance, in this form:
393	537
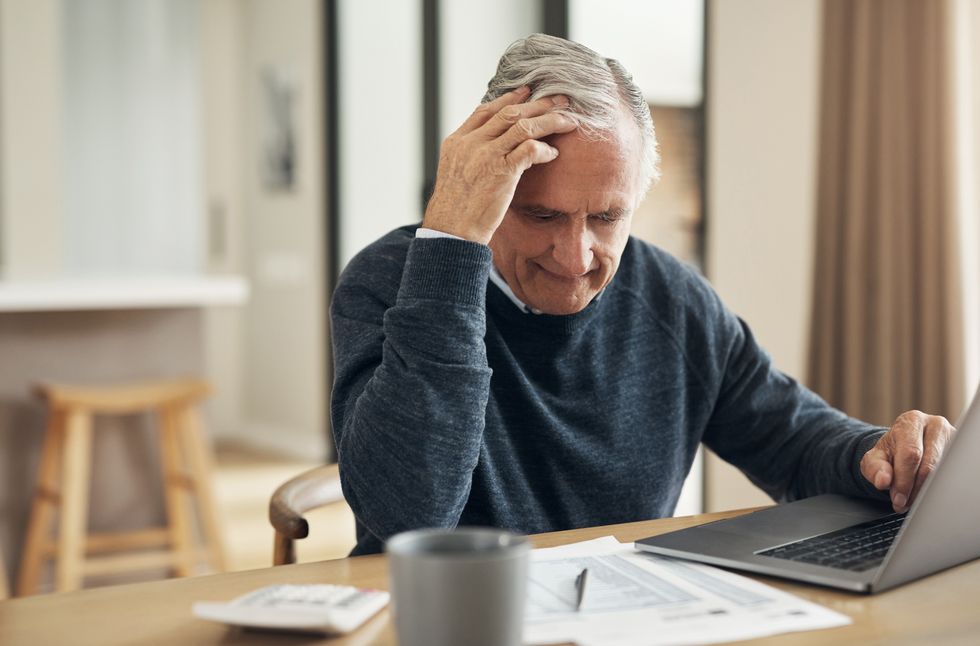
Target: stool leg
74	501
178	517
42	509
201	470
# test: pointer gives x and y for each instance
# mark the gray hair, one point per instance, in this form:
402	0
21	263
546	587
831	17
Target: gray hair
597	89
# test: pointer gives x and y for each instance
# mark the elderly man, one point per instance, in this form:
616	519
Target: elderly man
520	361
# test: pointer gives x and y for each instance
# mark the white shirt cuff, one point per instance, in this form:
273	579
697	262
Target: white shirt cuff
423	232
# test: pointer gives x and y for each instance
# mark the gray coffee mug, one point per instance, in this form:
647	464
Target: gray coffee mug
455	587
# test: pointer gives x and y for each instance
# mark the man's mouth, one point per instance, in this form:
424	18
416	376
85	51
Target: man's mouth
566	278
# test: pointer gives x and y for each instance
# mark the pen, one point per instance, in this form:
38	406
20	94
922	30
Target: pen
580	581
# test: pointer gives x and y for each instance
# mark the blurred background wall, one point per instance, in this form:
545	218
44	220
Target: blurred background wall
761	173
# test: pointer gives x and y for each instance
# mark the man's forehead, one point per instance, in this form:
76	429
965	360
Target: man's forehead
586	164
624	141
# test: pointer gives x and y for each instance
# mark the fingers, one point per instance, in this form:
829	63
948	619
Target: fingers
485	111
512	115
533	128
906	454
936	435
529	153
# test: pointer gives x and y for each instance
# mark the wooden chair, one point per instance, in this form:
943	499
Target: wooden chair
63	485
310	490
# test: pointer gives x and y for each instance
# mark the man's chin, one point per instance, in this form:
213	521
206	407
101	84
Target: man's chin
562	307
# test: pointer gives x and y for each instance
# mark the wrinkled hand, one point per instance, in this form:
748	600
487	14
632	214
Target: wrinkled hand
481	163
905	456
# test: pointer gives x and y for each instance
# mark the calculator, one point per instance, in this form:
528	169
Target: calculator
317	608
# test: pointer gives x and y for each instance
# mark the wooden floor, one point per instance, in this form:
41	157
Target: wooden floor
243	482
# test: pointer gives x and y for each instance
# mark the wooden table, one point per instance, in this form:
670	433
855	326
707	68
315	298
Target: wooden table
944	608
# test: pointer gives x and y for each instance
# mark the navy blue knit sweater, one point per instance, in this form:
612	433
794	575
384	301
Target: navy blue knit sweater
451	406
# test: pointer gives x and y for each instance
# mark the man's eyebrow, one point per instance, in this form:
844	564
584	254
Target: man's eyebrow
537	209
615	213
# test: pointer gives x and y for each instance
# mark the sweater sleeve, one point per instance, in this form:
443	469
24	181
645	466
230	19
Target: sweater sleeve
411	383
784	437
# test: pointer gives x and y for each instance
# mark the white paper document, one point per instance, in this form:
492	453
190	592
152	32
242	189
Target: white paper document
637	599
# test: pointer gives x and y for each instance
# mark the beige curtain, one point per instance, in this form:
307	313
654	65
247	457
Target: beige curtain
886	330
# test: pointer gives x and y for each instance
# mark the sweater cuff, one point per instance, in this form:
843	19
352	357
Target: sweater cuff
446	269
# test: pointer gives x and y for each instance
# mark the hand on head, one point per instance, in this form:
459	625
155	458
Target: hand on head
905	456
481	163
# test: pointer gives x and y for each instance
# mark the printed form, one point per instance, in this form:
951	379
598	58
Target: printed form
639	599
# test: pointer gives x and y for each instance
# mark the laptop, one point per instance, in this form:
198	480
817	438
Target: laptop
851	543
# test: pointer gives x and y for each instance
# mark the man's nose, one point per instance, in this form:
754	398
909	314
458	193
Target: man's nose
573	248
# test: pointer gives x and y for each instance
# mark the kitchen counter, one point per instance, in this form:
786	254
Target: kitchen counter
75	294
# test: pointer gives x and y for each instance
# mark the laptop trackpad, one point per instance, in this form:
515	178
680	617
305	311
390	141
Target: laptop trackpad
803	518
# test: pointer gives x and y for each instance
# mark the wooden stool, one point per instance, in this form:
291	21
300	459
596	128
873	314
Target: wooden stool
63	482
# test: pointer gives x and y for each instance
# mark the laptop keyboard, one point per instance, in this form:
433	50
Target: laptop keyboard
857	548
